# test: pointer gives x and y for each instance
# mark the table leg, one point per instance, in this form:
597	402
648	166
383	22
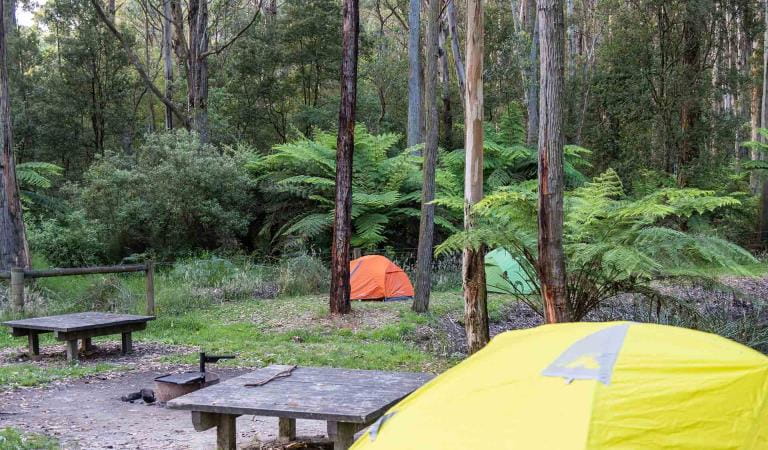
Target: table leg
127	344
87	345
226	432
72	350
287	430
34	345
345	435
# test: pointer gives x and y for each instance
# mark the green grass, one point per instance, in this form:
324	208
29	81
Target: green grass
220	315
12	439
29	375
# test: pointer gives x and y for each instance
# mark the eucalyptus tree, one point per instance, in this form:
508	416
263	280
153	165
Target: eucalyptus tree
427	223
14	251
551	264
345	145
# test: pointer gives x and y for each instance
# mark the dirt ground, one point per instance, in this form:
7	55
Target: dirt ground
88	414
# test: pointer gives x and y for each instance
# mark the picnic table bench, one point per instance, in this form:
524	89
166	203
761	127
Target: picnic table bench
83	326
348	400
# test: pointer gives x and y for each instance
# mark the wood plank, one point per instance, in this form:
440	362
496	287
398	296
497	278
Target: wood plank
126	345
95	332
226	432
202	421
72	350
77	321
286	430
309	393
34	346
345	436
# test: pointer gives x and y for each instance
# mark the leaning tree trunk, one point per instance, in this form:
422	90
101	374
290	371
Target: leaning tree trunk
414	75
473	268
533	75
167	61
13	240
198	67
551	264
342	220
427	223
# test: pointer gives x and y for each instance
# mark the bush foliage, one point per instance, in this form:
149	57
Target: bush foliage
173	196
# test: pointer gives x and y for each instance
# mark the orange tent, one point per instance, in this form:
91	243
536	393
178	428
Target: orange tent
374	277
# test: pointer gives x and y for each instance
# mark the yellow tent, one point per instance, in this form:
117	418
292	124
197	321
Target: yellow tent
617	385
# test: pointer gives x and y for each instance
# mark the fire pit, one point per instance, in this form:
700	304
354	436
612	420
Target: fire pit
168	387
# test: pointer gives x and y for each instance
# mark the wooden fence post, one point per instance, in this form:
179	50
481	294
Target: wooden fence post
17	289
150	272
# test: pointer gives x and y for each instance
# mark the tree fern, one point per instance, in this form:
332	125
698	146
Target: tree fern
613	244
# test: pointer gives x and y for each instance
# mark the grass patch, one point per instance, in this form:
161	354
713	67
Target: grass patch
30	375
12	439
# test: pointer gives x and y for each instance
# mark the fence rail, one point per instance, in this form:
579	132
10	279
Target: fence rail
18	275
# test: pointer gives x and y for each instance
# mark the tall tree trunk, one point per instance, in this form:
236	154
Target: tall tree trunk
345	144
414	75
763	230
690	110
458	62
128	131
445	79
571	35
551	185
167	61
473	267
427	223
14	251
533	75
198	67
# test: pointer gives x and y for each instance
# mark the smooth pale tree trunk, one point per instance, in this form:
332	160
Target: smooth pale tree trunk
533	76
550	173
14	251
345	144
445	79
458	62
414	74
198	68
427	222
473	267
167	61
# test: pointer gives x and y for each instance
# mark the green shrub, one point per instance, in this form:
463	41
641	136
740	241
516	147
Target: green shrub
302	275
173	196
71	240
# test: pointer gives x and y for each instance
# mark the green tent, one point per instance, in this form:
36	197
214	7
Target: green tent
504	275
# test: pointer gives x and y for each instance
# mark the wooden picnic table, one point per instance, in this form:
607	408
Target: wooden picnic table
83	326
348	400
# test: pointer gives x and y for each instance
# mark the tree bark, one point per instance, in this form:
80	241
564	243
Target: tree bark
427	223
342	221
445	79
533	76
14	251
458	63
197	102
690	110
473	267
550	173
167	61
763	227
414	75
